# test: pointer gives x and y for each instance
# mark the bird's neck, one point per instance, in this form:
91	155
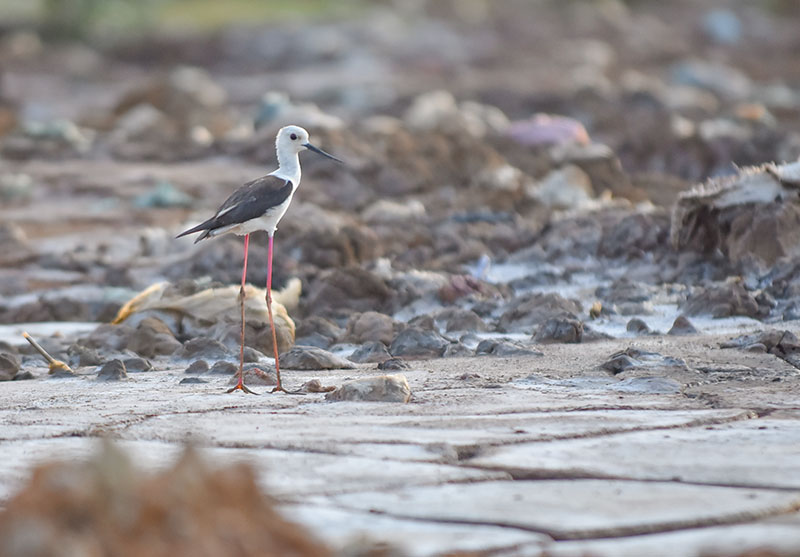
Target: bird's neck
288	167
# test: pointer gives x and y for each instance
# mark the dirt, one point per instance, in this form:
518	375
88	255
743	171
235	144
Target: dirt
534	198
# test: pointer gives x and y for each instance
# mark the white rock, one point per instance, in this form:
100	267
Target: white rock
564	188
385	388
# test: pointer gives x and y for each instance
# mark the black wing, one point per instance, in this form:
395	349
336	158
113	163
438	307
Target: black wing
250	201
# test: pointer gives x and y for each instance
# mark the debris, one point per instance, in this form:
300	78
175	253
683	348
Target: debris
385	388
57	367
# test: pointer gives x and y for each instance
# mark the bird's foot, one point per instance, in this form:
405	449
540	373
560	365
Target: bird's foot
280	389
241	387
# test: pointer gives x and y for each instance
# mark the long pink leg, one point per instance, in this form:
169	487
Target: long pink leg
278	387
240	385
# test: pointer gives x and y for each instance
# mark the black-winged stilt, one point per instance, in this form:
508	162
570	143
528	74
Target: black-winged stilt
260	205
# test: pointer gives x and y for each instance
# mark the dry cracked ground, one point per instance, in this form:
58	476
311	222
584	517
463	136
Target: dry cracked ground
532	175
539	455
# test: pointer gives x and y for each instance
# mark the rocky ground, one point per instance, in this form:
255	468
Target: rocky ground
548	305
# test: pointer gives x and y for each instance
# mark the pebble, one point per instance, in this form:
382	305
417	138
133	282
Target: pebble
9	366
251	355
725	300
460	319
192	380
197	366
393	364
315	386
152	338
371	326
385	388
254	375
206	348
222	367
548	130
504	348
417	343
314	339
559	330
526	312
80	356
137	365
682	326
370	353
638	327
318	326
113	370
312	358
456	350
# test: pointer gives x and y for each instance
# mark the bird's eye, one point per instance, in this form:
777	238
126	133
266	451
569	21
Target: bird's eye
293	136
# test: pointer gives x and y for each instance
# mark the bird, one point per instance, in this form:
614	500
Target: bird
259	205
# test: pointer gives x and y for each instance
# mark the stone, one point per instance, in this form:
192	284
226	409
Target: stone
564	188
371	326
254	375
385	388
624	290
80	356
9	366
419	344
251	355
314	339
197	366
547	130
137	365
222	367
636	358
205	348
438	110
393	364
749	216
113	370
192	381
525	313
312	358
456	350
504	348
638	327
17	248
152	338
350	288
372	352
774	341
682	326
318	325
635	235
425	322
558	330
110	337
315	386
459	319
726	300
591	334
24	376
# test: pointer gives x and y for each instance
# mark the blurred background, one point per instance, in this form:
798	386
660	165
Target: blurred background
477	134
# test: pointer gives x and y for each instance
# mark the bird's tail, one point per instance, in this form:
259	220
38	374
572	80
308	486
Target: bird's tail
204	226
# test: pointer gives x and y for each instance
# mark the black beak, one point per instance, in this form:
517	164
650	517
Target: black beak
321	152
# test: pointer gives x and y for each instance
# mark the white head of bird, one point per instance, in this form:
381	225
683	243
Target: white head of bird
288	144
